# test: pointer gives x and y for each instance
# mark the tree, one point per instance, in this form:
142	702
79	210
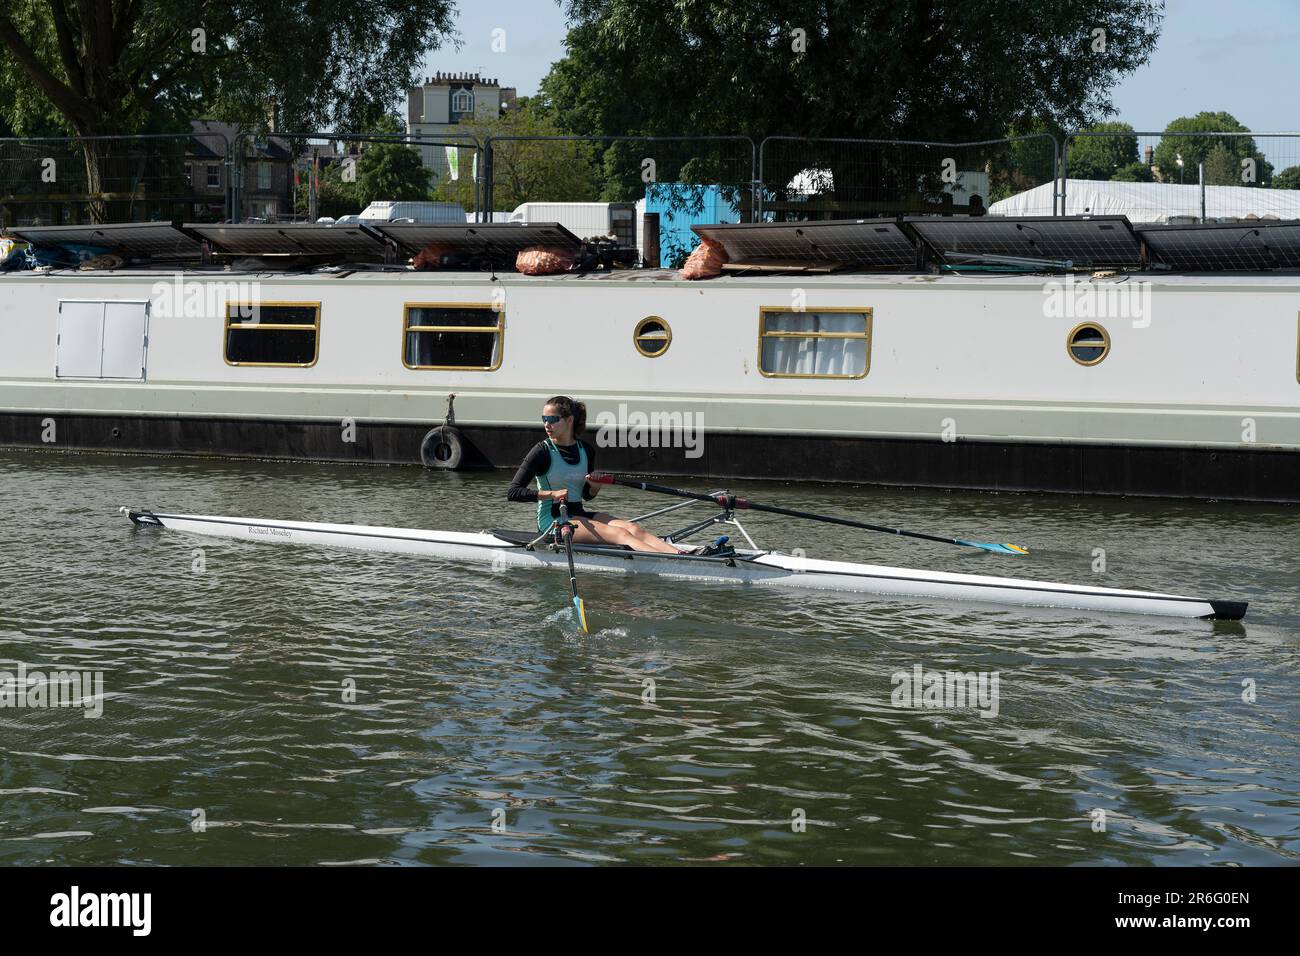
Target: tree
935	70
1288	178
1223	155
529	170
1100	157
113	67
391	171
940	70
1133	173
334	197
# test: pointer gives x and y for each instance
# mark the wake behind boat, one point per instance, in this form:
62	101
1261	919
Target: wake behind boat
755	566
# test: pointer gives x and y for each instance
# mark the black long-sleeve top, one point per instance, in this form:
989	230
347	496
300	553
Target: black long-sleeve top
538	462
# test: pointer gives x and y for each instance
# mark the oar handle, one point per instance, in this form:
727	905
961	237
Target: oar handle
564	524
730	502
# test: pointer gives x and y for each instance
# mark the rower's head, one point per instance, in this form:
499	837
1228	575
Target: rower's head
563	419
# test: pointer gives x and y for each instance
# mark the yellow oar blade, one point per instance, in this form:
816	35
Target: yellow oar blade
582	614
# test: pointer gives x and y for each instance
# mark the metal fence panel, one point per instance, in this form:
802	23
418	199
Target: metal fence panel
55	180
806	179
1180	177
265	166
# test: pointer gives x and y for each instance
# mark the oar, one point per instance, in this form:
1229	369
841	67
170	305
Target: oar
731	501
566	532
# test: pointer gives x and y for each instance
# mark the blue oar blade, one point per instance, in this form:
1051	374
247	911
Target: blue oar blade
996	548
581	610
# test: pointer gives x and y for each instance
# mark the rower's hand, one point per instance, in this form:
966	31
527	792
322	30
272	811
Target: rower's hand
560	494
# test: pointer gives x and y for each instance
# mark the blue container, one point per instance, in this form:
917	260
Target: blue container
680	206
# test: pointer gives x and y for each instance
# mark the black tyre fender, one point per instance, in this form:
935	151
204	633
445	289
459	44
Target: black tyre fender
443	447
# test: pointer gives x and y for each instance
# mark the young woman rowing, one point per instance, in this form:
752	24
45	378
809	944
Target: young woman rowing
559	466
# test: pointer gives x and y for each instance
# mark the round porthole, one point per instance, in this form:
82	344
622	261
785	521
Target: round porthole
1088	343
652	336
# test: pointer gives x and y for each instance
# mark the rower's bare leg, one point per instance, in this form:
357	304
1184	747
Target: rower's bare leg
593	531
649	540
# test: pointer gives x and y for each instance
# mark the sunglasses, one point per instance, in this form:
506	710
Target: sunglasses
551	419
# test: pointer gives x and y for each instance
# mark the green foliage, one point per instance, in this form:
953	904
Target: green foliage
121	66
1221	154
1101	157
528	171
945	70
23	110
1017	166
1133	173
1288	178
334	197
117	67
951	70
674	253
1222	167
391	171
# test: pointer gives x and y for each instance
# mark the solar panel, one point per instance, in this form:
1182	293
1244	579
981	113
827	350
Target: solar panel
1092	242
864	243
348	243
498	241
136	240
1225	247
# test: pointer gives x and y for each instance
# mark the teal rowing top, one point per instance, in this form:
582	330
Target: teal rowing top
561	475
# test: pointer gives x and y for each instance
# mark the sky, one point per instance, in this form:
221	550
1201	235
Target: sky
533	40
1240	56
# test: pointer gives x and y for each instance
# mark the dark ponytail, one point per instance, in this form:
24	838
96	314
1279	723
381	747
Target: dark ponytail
568	407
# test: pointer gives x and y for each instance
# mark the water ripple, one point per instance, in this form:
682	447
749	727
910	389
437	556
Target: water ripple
267	705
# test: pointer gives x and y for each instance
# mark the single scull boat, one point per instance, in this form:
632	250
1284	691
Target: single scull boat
754	566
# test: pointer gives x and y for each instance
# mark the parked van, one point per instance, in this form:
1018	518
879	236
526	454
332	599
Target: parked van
424	212
584	219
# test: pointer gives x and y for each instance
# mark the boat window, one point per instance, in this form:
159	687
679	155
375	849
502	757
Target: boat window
652	336
272	333
820	343
1088	343
453	336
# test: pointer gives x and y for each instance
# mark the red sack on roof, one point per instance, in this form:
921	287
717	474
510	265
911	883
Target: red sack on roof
706	261
540	261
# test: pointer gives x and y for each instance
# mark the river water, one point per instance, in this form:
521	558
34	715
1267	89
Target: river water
282	705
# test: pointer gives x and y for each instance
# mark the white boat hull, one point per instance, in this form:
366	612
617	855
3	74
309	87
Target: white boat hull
751	567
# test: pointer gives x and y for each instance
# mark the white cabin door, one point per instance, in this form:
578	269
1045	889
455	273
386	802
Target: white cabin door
125	327
81	340
102	340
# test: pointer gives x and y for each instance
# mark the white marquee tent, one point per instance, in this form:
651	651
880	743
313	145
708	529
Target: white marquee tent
1154	202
